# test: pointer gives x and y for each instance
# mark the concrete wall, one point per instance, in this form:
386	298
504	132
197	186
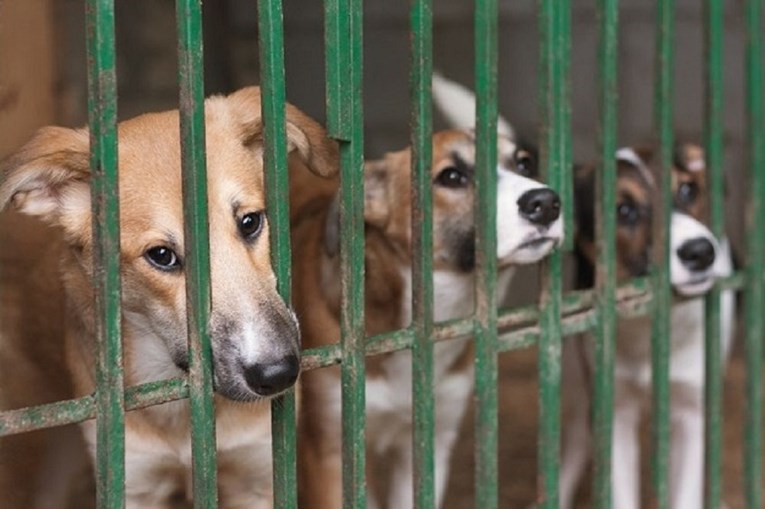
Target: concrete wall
147	66
27	70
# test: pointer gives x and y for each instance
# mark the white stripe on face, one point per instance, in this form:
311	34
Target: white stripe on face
520	241
686	281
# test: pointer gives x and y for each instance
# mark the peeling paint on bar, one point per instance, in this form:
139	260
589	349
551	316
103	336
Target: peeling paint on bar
102	118
486	442
423	399
661	331
197	252
713	128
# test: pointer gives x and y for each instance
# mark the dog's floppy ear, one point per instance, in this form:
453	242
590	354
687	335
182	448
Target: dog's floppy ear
305	136
376	193
49	177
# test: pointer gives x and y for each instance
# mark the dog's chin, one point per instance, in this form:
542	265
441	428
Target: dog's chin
238	392
694	286
530	251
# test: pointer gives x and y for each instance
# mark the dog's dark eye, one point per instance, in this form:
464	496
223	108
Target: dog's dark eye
627	213
687	192
525	164
163	258
451	177
250	225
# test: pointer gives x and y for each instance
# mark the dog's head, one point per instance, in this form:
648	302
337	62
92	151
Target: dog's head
528	213
254	335
694	250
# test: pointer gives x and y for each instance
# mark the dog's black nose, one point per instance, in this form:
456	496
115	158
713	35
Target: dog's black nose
274	377
540	206
697	254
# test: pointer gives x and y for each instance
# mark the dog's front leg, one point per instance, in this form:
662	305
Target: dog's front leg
401	494
625	458
687	461
577	437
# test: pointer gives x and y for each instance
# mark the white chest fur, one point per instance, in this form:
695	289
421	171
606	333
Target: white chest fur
389	397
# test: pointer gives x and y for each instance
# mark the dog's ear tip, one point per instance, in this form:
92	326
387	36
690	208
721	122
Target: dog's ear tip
33	178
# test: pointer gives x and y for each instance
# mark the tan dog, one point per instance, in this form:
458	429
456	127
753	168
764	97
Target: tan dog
697	258
254	334
528	228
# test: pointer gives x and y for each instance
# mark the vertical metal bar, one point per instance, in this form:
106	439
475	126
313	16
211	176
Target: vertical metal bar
337	60
344	111
423	406
566	189
273	98
486	253
197	251
102	109
755	290
714	158
555	145
605	334
662	303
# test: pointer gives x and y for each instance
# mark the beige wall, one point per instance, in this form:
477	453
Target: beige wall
27	78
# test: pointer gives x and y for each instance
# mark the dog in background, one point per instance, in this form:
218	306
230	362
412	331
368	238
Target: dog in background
255	338
528	228
697	260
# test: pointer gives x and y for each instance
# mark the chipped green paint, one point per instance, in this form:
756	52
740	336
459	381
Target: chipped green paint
545	326
197	252
661	332
109	398
486	481
423	404
605	332
713	127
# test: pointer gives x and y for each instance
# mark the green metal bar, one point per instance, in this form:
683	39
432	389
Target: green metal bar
423	405
555	153
605	334
283	415
714	158
197	251
486	254
344	48
77	410
102	113
566	189
755	290
661	331
337	60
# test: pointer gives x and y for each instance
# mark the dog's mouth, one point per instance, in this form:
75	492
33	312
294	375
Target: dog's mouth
696	285
536	244
531	250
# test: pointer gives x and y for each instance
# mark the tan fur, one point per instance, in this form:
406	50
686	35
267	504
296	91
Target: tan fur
49	178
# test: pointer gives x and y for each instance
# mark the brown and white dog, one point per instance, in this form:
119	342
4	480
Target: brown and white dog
697	259
255	338
528	228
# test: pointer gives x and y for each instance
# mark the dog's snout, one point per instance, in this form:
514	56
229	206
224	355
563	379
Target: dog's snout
540	206
697	254
271	378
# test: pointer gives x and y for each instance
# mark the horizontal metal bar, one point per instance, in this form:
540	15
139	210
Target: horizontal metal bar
516	326
77	410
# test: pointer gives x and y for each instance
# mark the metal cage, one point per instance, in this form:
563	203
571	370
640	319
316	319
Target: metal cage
545	325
